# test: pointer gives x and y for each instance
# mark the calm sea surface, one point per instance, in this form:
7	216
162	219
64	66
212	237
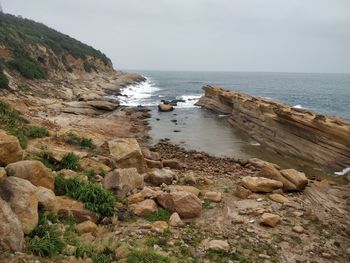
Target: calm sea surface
203	130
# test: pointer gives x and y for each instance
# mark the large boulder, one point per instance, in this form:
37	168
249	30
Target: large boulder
271	172
127	154
187	205
10	149
165	107
148	154
184	188
21	196
66	206
297	178
158	177
260	184
122	181
33	171
11	234
145	207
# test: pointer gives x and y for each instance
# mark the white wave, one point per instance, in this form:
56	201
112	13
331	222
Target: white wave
298	107
138	94
343	172
189	101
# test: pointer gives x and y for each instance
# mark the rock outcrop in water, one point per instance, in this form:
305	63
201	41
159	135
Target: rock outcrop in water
289	131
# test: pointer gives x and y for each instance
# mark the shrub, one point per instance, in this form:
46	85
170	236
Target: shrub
146	256
12	122
37	132
28	67
74	139
88	67
45	238
44	157
93	195
4	82
69	161
160	215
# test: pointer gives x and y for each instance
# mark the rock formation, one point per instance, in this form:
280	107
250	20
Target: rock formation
289	131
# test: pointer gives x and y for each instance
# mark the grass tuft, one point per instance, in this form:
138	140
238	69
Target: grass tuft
75	139
146	256
160	215
37	132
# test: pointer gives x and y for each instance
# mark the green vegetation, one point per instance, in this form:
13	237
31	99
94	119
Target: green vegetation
4	82
93	195
146	256
223	257
12	122
20	35
45	238
70	161
208	205
160	215
75	139
37	132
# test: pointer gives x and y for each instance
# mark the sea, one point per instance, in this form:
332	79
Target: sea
202	130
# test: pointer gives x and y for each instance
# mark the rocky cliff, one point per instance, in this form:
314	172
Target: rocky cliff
288	131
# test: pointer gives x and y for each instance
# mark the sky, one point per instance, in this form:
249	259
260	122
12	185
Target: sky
205	35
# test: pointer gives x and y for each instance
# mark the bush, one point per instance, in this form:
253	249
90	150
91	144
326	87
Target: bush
28	67
37	132
75	139
88	67
12	122
4	82
70	161
93	195
147	256
45	238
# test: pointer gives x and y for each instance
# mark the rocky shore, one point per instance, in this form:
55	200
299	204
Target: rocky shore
293	132
121	200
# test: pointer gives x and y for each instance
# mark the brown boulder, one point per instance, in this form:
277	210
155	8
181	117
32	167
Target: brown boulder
213	196
122	181
187	205
136	198
242	192
86	227
144	208
260	184
66	206
175	220
172	164
297	178
270	171
33	171
165	107
2	173
184	188
127	154
11	234
148	154
158	177
10	149
46	198
20	194
154	164
270	220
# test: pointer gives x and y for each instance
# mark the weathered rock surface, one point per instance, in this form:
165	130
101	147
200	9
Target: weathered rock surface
10	149
289	131
11	234
127	154
187	205
212	196
175	220
297	178
260	184
66	206
184	188
270	220
122	181
21	196
165	107
144	208
33	171
158	177
86	227
172	164
46	198
279	198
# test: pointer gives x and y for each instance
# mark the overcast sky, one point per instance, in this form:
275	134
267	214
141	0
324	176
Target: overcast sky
230	35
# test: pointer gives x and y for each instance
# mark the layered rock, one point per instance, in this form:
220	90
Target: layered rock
288	131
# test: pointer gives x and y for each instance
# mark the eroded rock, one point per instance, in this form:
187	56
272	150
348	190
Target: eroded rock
10	149
260	184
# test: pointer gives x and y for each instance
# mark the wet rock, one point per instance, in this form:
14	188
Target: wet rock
212	196
165	107
86	227
297	178
279	198
218	245
175	220
127	154
260	184
144	208
11	234
158	177
10	149
172	164
20	194
66	206
270	220
122	181
187	205
33	171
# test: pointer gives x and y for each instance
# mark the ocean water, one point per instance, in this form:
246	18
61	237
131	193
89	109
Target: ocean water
200	129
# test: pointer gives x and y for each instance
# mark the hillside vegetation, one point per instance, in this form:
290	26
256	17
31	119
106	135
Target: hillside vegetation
34	50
